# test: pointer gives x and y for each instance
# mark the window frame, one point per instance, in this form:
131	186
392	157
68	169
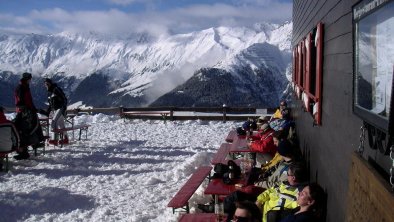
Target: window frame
360	11
308	65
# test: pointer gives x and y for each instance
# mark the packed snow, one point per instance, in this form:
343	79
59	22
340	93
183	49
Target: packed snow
127	170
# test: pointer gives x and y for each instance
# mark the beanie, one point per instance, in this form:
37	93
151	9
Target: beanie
48	80
283	103
26	75
285	148
265	126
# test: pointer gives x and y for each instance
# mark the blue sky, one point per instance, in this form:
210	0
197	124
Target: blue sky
156	17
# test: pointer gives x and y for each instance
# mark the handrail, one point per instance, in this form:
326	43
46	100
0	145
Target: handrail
225	111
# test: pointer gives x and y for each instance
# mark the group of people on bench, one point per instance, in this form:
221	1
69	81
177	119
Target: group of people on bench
25	130
277	187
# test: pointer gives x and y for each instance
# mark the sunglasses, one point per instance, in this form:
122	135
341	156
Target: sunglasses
240	219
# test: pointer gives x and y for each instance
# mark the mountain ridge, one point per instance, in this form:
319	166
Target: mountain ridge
139	63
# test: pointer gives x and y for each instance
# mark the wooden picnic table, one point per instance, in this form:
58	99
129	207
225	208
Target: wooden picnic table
239	145
217	187
231	135
198	217
44	122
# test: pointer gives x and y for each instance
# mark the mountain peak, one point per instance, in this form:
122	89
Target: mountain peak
139	60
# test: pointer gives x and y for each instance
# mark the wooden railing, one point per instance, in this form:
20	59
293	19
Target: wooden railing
180	113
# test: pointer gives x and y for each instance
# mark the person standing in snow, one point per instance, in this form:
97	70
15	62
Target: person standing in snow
26	120
58	105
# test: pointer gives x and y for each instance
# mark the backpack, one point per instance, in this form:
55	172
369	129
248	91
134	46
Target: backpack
227	172
220	169
241	131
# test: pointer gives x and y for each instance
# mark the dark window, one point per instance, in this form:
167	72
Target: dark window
374	61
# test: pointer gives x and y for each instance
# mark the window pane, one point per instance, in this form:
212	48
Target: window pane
375	60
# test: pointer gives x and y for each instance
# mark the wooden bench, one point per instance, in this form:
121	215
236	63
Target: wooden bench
198	217
81	128
181	198
231	136
220	156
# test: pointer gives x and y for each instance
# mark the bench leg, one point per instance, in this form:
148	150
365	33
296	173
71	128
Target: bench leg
61	139
6	163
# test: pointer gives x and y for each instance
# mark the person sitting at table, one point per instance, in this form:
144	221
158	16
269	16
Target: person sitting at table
271	178
278	112
286	124
9	136
283	196
277	174
261	120
260	129
283	123
247	211
267	169
247	126
277	136
264	147
311	202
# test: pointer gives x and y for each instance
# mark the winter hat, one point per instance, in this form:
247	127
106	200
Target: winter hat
265	126
283	103
285	148
26	75
48	80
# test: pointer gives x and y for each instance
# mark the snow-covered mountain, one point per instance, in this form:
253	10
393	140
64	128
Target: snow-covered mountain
137	70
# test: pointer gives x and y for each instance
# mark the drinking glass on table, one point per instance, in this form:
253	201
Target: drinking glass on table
219	211
242	165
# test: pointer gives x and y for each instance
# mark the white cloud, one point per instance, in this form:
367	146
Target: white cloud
122	2
178	20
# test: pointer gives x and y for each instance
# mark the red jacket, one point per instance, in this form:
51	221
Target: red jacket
265	144
3	119
23	98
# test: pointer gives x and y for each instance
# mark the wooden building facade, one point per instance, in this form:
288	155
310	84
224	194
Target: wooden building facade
336	131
